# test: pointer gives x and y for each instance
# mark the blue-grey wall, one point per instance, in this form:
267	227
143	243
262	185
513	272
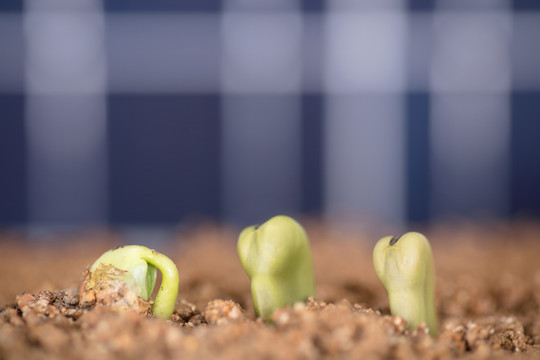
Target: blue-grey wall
155	113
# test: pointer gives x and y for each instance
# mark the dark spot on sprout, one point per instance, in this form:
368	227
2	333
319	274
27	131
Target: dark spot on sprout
257	226
394	240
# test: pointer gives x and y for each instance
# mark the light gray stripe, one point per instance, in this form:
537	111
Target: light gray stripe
364	158
66	148
260	5
471	51
364	5
262	52
65	52
66	113
526	51
163	53
12	53
470	110
470	146
419	50
365	52
261	157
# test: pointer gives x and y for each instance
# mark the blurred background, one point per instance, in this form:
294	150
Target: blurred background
144	114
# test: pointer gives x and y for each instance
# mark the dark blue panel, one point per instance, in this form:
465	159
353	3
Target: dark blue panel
163	5
418	170
11	5
12	161
421	5
313	5
525	160
526	5
164	158
312	153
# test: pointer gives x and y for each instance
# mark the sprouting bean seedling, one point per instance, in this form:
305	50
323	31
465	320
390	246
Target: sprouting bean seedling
277	258
136	266
404	266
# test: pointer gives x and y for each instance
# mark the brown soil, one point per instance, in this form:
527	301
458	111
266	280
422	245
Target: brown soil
488	299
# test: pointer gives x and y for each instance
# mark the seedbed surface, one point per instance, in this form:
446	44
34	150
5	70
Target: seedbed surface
488	300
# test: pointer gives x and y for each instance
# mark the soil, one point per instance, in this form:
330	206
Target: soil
488	300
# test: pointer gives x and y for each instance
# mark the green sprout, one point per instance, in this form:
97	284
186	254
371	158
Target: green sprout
136	266
277	258
404	266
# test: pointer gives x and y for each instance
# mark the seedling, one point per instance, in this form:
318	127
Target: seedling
277	258
136	266
404	266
